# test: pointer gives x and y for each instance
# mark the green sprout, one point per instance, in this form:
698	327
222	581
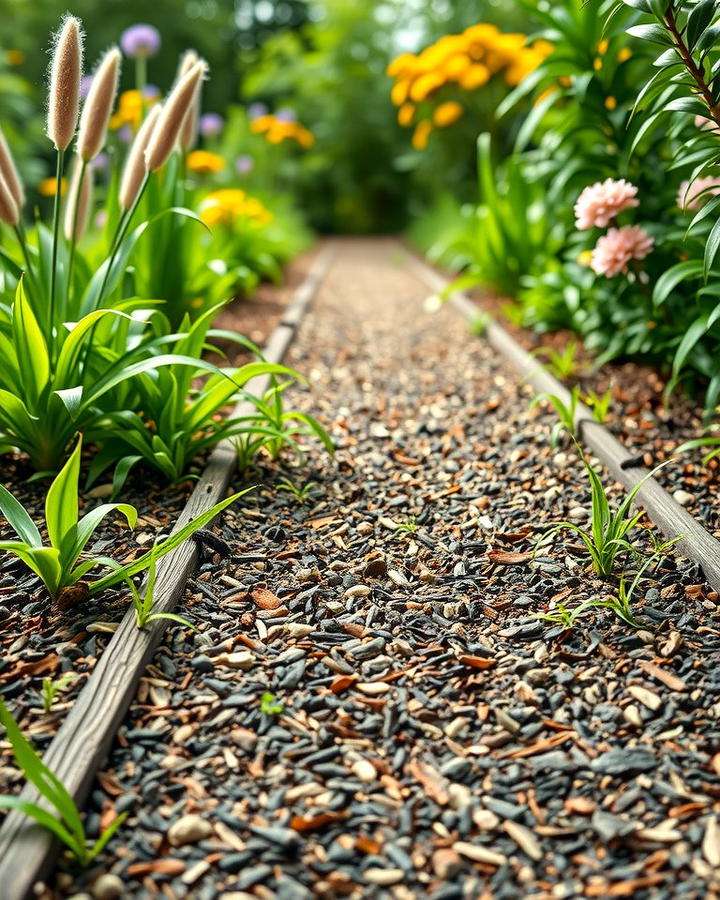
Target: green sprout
52	687
270	705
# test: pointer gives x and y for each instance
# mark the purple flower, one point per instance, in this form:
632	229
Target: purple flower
151	92
244	164
85	83
101	162
256	110
211	124
140	41
125	134
285	115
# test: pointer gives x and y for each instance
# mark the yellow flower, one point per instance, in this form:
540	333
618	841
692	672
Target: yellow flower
603	47
399	92
597	64
276	131
455	66
130	109
406	114
610	103
401	65
262	124
204	163
474	77
225	206
585	258
447	113
15	57
48	187
421	135
425	85
624	54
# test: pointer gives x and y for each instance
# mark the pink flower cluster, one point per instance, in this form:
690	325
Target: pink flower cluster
599	203
615	250
689	195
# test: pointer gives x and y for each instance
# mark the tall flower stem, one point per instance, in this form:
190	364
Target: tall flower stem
56	239
76	219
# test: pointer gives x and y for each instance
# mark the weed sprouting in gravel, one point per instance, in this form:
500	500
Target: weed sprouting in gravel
609	531
407	526
301	494
143	606
567	413
51	687
564	365
599	404
270	705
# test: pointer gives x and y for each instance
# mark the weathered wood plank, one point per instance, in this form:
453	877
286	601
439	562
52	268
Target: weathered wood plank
672	519
83	740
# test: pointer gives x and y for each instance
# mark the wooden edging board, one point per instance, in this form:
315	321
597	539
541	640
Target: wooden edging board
671	518
83	740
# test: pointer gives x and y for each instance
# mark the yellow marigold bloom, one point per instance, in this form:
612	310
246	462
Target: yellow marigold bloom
401	65
624	54
421	135
225	206
610	103
481	32
399	92
425	85
15	57
204	163
455	66
48	187
474	77
406	114
130	109
262	124
304	137
447	113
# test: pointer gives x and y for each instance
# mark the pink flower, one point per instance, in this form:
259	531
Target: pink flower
599	203
689	194
614	250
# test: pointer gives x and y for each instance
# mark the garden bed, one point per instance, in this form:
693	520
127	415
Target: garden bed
425	726
39	639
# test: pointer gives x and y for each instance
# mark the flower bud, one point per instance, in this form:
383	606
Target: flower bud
177	105
98	106
134	171
65	73
10	173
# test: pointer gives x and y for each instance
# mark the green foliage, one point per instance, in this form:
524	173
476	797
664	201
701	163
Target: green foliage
610	529
52	687
408	526
567	412
599	404
270	705
143	606
563	365
66	825
301	494
58	563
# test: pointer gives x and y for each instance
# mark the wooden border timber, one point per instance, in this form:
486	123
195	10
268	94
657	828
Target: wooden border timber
672	519
84	738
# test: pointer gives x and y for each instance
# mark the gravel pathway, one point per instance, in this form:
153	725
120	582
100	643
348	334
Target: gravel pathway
423	733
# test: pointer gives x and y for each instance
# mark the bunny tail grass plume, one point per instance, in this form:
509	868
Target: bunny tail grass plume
9	173
9	213
134	172
65	74
165	136
77	209
188	132
98	106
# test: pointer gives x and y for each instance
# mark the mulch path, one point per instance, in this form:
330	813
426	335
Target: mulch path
648	424
427	735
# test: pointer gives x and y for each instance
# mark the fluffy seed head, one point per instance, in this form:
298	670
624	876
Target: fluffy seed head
188	132
9	213
9	173
98	106
65	74
176	107
134	171
77	209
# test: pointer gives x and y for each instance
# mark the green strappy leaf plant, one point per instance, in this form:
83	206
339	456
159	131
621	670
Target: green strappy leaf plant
66	823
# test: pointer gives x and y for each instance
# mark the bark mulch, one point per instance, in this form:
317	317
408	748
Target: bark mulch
371	706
